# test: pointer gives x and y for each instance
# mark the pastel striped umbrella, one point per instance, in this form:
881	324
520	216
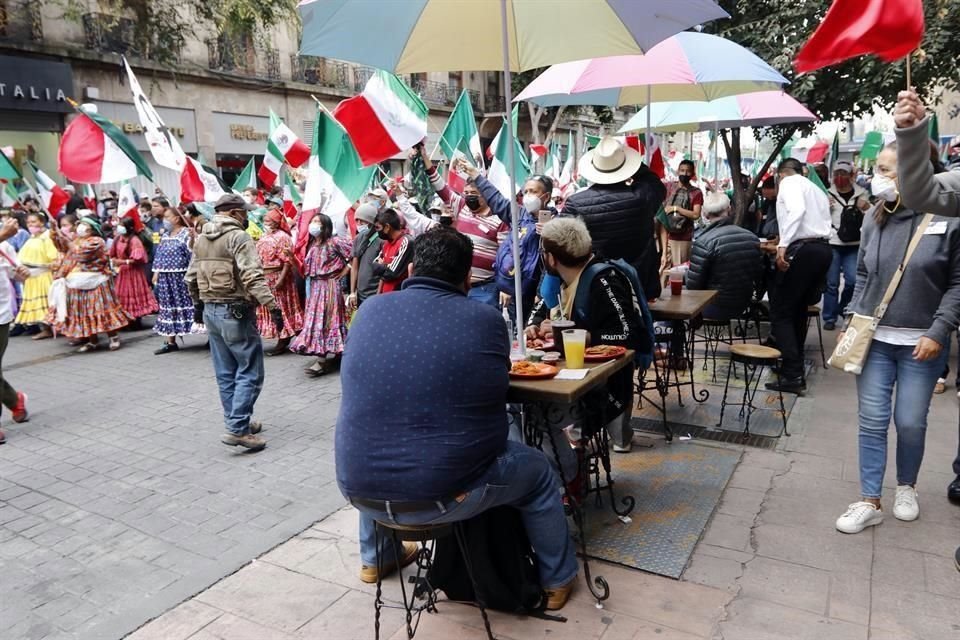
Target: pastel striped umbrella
406	36
687	66
759	109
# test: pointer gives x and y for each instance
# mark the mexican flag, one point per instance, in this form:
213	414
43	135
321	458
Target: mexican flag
514	117
93	151
8	174
291	197
128	205
814	177
385	119
335	177
89	197
817	152
553	165
656	156
198	185
834	150
51	195
460	133
247	178
283	146
568	174
499	171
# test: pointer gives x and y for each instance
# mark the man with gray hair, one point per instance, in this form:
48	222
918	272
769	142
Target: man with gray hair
724	257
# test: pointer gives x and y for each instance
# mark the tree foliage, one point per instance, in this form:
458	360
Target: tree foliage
161	28
776	30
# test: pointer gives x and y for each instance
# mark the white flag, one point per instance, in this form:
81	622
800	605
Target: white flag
163	146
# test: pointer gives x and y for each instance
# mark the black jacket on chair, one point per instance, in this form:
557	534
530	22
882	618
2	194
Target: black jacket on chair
727	258
620	219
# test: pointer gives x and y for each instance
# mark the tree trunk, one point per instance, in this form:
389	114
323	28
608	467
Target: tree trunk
732	147
553	126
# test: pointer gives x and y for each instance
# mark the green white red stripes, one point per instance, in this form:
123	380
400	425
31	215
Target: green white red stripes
197	185
283	147
247	178
51	195
93	151
385	119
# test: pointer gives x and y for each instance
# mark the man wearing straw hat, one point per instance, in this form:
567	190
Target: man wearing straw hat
619	208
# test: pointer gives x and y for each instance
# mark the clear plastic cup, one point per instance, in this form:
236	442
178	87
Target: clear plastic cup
574	346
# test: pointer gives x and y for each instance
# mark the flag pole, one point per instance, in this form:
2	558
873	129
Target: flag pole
512	166
646	140
909	79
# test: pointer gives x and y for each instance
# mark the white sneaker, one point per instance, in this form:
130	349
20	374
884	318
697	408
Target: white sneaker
905	506
858	517
624	449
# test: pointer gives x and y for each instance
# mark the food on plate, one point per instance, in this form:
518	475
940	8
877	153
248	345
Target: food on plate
525	368
539	343
603	351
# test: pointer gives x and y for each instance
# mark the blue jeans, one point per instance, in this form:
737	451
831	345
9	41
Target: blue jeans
487	293
237	362
844	260
888	365
520	477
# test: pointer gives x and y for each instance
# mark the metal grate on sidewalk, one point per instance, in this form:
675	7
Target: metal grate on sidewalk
704	433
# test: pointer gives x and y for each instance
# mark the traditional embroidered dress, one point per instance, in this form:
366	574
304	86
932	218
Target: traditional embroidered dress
170	263
92	310
276	250
325	319
40	255
133	290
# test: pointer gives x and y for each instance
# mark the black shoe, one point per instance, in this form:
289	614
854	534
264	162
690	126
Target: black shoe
31	330
168	347
829	326
956	559
17	330
788	385
953	491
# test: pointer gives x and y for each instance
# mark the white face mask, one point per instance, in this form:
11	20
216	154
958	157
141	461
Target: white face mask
83	230
532	203
884	188
122	230
316	230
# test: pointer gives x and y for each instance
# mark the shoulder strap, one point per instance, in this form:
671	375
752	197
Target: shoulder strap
898	274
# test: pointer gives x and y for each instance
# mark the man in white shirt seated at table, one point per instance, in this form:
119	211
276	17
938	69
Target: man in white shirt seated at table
803	259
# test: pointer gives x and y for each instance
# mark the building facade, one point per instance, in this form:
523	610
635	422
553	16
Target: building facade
216	100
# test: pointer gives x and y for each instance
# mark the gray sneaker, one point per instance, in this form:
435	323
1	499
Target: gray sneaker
248	441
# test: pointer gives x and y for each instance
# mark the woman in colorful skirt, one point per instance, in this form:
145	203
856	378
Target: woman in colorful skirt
324	323
39	255
129	258
276	253
170	263
86	304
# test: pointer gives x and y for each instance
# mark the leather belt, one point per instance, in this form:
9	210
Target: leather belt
404	506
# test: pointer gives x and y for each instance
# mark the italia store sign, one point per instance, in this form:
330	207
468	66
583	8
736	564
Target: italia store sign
35	85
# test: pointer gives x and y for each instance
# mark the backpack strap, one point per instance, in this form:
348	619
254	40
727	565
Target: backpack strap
582	299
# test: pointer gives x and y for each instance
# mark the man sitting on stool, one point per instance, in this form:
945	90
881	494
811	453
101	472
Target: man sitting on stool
724	257
422	433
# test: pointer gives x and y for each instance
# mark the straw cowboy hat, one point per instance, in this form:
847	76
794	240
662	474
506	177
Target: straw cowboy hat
610	162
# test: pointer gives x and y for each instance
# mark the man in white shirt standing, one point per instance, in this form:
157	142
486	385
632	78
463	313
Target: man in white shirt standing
9	270
803	258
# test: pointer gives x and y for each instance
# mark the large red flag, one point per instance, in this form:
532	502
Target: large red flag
890	29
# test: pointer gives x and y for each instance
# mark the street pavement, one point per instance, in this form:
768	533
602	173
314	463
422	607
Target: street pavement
117	499
126	504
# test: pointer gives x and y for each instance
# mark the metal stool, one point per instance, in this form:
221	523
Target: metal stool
813	311
425	535
754	358
712	332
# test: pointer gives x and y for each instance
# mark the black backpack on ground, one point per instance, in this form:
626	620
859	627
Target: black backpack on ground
851	219
504	564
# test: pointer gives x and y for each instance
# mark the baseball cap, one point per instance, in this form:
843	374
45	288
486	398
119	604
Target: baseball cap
843	165
231	201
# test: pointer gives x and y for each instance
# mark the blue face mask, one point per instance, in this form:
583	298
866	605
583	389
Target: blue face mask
550	290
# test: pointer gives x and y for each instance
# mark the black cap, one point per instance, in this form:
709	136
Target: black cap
230	202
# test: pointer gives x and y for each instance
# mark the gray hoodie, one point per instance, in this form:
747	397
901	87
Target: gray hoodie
226	267
929	293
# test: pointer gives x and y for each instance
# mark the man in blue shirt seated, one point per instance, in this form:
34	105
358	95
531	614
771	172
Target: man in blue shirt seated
422	433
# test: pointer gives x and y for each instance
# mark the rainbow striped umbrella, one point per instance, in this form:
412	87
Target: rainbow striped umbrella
687	66
406	36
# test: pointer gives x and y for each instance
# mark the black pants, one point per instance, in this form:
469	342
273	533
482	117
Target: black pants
794	290
7	394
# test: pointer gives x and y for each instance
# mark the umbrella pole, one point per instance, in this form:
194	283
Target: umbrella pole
646	140
716	159
512	168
